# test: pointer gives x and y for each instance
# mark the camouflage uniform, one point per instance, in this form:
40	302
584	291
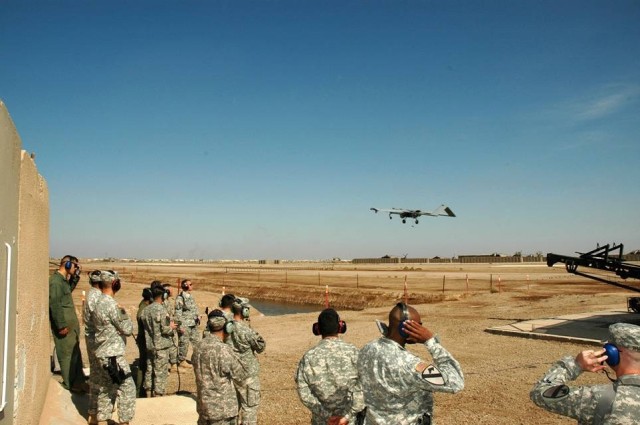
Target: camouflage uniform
328	383
596	404
170	306
62	314
217	369
112	326
246	343
398	387
186	314
90	338
158	333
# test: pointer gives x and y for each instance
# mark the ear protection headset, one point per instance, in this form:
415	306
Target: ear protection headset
405	317
240	306
228	324
613	354
342	327
115	284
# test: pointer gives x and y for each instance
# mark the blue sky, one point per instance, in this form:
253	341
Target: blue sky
267	129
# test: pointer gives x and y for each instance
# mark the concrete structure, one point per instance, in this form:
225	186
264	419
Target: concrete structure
24	295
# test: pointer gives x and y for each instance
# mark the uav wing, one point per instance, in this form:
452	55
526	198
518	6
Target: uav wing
442	210
391	211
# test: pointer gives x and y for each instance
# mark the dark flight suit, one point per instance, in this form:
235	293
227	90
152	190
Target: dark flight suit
62	314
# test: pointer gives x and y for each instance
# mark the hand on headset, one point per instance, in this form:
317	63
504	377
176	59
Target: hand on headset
417	332
591	361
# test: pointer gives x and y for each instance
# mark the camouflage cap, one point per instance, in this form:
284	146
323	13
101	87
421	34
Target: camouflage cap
108	276
625	335
95	277
216	320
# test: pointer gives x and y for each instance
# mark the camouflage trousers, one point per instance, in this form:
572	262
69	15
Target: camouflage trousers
94	366
155	377
110	393
228	421
189	336
249	400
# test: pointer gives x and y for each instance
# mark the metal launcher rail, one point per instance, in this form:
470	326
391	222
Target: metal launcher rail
608	258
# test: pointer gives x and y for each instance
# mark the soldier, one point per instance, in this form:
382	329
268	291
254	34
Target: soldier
147	298
64	324
158	330
170	304
90	339
188	317
617	403
327	375
218	372
112	326
246	343
398	387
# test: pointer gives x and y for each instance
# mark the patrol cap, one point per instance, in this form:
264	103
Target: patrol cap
625	335
108	276
95	277
216	320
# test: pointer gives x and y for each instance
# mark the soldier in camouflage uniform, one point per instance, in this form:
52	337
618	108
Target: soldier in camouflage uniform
398	386
246	343
158	330
327	375
597	404
170	304
89	307
218	371
188	318
112	326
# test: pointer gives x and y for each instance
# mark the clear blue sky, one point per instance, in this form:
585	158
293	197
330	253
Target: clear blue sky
267	129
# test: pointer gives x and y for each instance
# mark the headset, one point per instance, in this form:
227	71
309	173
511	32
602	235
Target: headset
184	285
147	294
70	262
228	324
342	327
405	317
613	354
115	284
240	304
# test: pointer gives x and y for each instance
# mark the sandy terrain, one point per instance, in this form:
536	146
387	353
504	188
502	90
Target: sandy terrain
499	370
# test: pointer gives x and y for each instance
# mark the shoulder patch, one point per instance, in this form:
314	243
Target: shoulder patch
432	375
559	391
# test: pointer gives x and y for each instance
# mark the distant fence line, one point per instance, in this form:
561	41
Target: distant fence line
460	259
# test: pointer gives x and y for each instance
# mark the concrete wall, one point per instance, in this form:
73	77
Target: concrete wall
24	226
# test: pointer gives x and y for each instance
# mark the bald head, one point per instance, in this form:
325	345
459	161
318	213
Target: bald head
399	313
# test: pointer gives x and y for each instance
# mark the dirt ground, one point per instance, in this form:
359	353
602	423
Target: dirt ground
457	301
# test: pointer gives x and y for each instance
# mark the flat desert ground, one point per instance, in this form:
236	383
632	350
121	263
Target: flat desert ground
457	301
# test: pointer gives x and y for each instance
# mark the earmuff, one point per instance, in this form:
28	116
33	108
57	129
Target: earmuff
115	284
405	317
68	264
342	327
613	354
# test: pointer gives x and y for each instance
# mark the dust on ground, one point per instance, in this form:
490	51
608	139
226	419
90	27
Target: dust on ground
457	301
